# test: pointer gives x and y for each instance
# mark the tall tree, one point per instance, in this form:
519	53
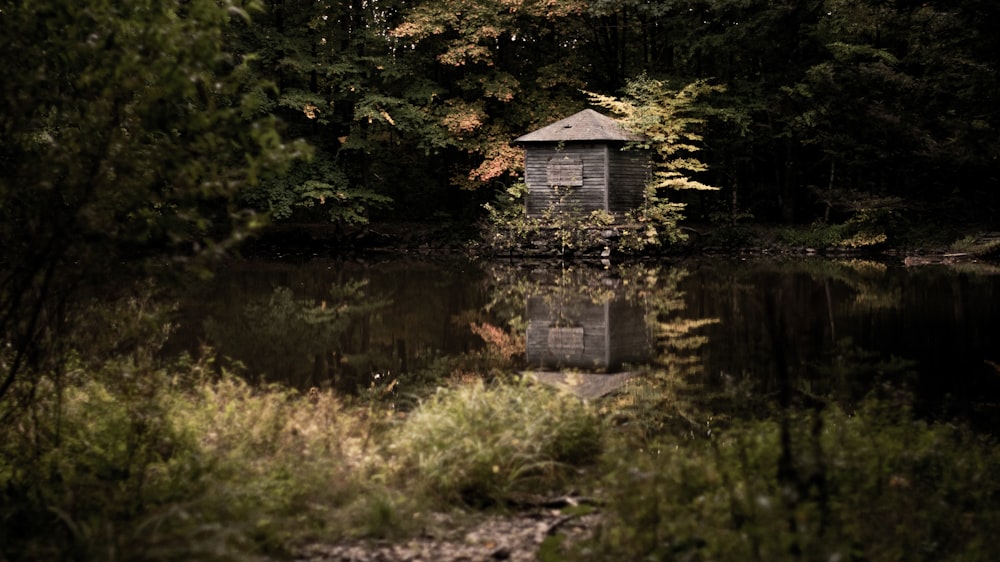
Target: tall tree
902	104
122	142
500	68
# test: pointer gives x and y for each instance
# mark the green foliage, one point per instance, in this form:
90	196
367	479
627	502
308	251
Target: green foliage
981	244
655	224
123	142
876	484
486	445
319	185
867	227
670	120
507	229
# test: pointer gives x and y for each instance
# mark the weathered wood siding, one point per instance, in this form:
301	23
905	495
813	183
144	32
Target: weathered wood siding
590	196
613	179
628	171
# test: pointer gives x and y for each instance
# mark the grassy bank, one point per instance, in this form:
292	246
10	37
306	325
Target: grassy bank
186	463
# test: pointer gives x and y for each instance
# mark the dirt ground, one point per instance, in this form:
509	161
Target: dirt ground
515	537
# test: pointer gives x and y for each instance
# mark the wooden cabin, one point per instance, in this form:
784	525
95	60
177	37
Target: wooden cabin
580	164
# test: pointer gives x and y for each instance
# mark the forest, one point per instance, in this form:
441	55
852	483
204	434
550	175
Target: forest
818	110
143	143
824	108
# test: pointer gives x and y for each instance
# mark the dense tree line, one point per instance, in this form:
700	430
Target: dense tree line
831	106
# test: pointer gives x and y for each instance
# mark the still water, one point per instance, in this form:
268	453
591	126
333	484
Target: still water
834	328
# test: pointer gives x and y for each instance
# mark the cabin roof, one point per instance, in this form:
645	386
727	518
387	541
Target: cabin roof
587	125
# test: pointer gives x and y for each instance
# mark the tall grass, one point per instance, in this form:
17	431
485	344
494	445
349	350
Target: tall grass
873	485
485	445
185	463
161	465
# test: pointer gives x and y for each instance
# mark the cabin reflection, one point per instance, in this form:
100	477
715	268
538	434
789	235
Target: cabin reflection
584	334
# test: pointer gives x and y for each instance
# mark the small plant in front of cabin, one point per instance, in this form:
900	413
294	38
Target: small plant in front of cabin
573	230
653	225
507	226
559	230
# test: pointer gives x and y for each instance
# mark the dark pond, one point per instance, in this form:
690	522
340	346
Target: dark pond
835	328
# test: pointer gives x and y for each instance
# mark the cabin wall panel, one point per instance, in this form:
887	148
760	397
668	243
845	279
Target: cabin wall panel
589	196
613	179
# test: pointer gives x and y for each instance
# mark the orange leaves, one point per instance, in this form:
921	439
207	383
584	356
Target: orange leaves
463	119
505	159
462	53
480	23
499	341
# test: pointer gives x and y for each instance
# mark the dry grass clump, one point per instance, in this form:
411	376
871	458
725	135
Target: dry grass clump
276	460
180	465
483	445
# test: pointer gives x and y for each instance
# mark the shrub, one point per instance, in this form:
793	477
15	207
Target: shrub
483	445
134	463
876	485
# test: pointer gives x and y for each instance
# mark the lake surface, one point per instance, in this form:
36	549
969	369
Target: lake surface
832	327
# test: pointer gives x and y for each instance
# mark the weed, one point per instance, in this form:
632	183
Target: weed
874	485
483	445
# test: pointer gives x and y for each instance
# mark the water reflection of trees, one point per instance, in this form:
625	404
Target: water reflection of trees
303	341
839	329
339	325
735	340
712	335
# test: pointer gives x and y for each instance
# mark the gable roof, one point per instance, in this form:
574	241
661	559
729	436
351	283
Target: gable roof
587	125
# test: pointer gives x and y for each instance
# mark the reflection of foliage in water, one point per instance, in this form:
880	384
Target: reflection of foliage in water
812	332
782	315
653	286
559	286
278	335
750	329
658	395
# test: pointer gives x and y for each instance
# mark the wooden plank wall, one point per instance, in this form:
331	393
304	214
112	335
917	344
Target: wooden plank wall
629	171
586	335
588	197
613	179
